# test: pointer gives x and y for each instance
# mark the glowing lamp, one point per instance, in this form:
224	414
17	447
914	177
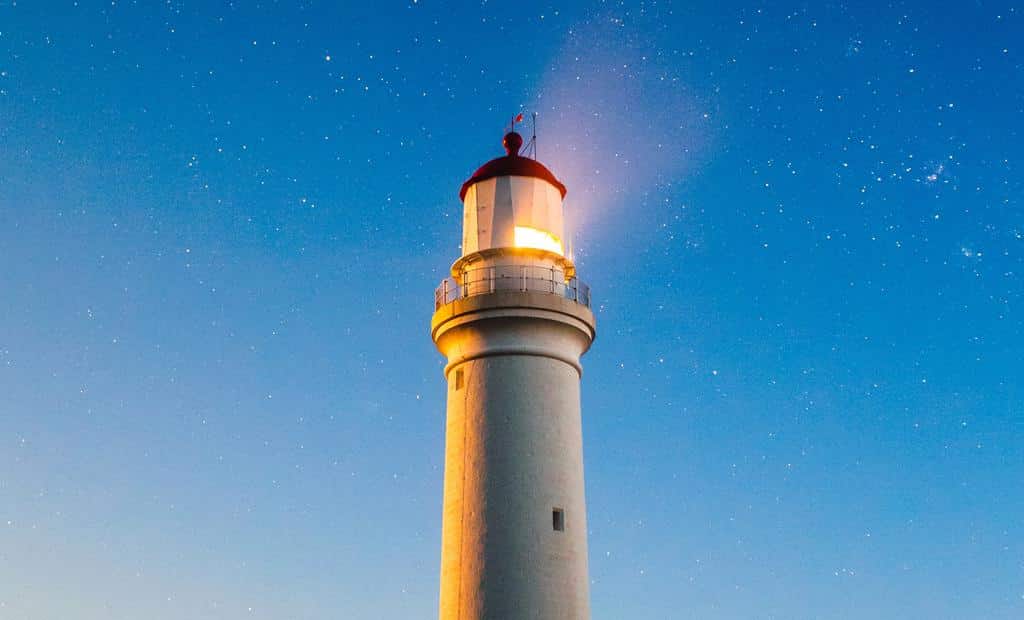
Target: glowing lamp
527	237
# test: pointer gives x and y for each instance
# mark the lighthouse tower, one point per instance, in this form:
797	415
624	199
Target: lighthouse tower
513	321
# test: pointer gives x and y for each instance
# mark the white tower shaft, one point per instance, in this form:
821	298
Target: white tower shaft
514	534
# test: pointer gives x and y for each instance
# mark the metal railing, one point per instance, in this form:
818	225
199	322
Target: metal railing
533	278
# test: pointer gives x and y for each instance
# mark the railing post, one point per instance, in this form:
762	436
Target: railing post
491	270
522	284
552	280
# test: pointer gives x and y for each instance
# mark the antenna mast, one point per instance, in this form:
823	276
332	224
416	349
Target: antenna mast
531	146
533	140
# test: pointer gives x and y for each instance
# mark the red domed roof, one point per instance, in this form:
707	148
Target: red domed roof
512	165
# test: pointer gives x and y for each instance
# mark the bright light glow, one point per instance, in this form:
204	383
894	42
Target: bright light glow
526	237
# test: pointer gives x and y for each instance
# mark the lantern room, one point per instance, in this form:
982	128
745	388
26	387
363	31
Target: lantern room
513	202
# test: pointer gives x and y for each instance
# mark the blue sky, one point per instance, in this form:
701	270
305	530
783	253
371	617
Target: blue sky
222	225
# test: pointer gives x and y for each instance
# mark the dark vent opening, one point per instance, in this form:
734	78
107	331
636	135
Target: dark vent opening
558	519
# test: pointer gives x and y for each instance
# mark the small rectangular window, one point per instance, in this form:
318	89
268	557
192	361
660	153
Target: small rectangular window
458	379
558	519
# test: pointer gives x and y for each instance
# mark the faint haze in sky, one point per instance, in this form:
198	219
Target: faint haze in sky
617	119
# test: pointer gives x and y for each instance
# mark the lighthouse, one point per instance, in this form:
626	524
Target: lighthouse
513	321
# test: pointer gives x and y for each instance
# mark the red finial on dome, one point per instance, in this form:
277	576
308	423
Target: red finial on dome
512	143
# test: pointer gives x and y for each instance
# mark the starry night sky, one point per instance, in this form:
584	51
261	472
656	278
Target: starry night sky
221	225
